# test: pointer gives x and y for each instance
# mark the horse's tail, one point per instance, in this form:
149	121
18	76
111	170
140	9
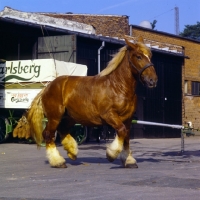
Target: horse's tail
35	118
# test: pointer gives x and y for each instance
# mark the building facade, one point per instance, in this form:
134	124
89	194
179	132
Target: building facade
176	100
190	71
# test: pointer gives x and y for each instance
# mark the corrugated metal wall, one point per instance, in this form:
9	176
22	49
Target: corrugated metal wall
87	53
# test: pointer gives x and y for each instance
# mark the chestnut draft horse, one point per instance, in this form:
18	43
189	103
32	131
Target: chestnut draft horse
107	98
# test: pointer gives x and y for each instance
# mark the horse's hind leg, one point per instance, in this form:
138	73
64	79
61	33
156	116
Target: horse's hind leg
53	155
70	145
126	155
68	142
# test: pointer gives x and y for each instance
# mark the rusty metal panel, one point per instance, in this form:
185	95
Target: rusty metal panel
58	47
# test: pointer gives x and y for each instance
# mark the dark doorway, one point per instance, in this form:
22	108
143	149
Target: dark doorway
162	104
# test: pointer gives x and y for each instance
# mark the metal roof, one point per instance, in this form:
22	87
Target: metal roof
38	19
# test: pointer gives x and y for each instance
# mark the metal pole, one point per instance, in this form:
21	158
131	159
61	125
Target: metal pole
157	124
182	142
166	125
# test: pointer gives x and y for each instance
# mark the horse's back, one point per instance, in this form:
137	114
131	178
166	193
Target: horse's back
64	87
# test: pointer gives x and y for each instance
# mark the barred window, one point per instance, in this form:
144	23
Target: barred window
195	88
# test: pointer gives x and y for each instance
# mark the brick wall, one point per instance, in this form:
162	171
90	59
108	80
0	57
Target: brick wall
191	69
107	25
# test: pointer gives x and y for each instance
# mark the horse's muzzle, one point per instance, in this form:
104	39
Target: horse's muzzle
150	82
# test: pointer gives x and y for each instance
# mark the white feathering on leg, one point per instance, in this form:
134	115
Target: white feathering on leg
127	159
114	149
71	146
54	157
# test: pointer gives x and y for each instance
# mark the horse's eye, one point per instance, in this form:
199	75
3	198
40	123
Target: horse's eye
139	57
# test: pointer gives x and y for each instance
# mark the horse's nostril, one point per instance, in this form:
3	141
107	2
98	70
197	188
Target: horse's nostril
153	82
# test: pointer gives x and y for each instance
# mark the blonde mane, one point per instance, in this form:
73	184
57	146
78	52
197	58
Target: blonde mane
114	63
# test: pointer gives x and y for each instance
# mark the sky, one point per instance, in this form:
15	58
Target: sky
137	10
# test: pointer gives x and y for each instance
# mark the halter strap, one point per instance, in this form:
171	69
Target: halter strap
141	70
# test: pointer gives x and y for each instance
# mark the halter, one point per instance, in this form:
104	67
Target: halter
141	70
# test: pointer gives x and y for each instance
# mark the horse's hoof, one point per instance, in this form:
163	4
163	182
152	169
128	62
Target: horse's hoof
131	165
60	166
111	155
110	159
72	156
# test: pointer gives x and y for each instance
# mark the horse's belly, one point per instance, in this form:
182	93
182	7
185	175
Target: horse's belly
84	116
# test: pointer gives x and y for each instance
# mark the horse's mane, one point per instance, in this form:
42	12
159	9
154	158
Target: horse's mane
113	64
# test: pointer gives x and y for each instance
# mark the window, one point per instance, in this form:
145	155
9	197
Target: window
195	88
186	87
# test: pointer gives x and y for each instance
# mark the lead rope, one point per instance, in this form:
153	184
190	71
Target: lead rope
48	48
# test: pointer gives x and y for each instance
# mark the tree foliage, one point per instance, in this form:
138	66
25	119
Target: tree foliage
191	31
153	24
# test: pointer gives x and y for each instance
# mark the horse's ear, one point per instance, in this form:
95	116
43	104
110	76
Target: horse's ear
140	39
129	44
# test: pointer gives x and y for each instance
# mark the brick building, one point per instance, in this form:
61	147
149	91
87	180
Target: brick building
107	25
190	70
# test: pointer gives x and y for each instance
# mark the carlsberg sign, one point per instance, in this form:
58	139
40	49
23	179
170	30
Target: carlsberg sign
27	70
40	70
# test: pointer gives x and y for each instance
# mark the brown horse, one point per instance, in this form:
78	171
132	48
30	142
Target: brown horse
107	98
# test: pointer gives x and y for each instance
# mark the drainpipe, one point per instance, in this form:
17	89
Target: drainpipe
102	46
131	30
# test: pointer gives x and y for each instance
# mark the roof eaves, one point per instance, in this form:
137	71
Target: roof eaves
46	20
164	33
59	29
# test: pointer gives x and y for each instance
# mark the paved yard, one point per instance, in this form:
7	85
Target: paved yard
163	173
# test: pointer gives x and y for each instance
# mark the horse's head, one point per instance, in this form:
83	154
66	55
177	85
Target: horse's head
139	56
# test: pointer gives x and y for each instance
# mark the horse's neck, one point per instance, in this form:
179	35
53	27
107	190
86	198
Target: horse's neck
122	76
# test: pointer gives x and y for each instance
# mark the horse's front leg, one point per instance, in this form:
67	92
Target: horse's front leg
115	148
53	155
126	155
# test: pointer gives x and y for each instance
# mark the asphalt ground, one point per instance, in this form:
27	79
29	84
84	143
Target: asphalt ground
164	172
